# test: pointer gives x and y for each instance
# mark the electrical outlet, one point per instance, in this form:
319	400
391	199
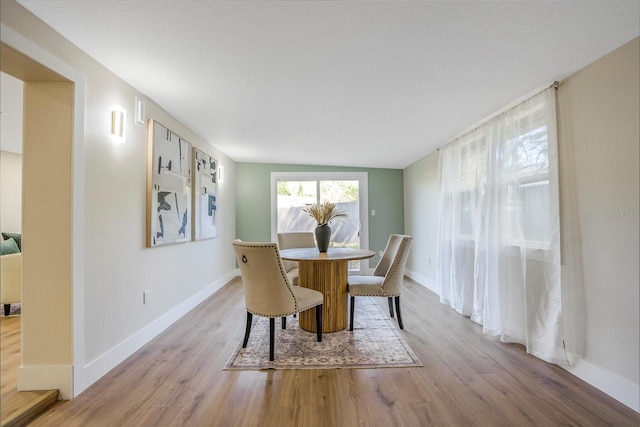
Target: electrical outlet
380	253
145	297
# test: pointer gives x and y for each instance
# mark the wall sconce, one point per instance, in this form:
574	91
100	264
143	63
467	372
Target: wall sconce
220	174
118	120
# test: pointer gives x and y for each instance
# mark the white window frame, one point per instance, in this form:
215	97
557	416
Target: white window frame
361	177
468	240
532	177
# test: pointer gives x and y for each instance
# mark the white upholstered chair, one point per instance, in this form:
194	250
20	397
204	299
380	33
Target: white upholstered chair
268	291
387	277
10	280
295	240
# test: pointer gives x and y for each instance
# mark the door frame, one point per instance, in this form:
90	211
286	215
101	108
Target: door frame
71	383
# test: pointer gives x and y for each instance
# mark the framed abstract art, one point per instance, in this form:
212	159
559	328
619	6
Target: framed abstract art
205	195
168	186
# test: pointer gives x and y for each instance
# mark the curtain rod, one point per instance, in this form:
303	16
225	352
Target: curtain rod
554	85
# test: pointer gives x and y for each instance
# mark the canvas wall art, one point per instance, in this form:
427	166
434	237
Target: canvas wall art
169	187
205	195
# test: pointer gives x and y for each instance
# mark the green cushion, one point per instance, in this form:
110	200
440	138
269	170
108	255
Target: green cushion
9	246
15	236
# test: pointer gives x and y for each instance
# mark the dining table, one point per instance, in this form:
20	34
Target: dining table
326	272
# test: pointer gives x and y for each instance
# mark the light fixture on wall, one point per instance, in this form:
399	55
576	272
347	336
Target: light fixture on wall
118	123
140	113
221	174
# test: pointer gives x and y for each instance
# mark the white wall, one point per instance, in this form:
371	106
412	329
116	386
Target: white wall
599	148
10	153
112	321
11	117
421	219
10	192
598	110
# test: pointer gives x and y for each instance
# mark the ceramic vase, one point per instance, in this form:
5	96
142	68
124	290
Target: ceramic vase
323	236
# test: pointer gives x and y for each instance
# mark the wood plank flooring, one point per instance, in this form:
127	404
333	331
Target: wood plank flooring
468	379
10	354
23	406
17	408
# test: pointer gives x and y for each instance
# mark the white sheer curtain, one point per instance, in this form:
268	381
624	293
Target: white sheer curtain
499	237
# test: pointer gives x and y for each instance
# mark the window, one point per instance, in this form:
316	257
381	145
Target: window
521	160
472	170
499	232
292	191
528	158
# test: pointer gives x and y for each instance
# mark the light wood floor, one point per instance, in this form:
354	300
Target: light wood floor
468	379
9	356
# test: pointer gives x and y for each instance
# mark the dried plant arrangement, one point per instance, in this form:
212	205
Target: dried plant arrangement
324	212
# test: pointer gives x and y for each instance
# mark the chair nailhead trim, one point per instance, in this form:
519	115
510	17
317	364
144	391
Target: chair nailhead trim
376	295
403	248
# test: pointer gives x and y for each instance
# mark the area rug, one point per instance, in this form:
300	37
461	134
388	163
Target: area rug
375	342
16	309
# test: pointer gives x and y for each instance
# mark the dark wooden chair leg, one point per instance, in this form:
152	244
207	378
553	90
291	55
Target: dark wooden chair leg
398	311
284	322
272	337
248	330
319	322
7	309
352	300
390	306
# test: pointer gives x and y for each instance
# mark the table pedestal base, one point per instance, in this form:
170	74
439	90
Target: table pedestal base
330	278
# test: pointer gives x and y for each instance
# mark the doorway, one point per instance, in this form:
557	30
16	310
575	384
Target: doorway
10	222
46	344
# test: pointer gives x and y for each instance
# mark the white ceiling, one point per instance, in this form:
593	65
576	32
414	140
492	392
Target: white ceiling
351	83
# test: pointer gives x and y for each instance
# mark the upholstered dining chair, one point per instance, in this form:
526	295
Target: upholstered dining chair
268	291
295	240
10	280
387	277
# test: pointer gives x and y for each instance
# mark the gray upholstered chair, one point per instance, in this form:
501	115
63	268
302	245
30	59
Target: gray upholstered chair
295	240
267	290
387	277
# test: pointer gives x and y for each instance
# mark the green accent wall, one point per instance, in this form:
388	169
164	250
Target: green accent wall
253	200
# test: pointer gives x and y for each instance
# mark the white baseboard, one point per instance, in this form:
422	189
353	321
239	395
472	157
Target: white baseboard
98	367
423	281
620	388
47	377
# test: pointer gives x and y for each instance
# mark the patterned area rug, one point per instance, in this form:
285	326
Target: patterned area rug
374	343
16	309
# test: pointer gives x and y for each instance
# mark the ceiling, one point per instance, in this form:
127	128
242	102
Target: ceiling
346	83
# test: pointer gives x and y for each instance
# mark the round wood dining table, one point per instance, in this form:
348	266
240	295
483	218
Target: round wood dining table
326	272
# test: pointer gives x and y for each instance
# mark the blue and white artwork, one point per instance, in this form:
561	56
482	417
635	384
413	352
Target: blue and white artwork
205	221
169	201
